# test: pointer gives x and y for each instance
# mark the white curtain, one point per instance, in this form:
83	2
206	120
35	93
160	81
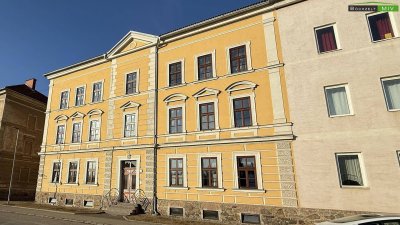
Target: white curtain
392	92
350	170
337	101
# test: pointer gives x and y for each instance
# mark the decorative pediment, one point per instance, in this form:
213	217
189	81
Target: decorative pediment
77	115
131	41
206	92
129	105
241	85
61	118
95	112
175	97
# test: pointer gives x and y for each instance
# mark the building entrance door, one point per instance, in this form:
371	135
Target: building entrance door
128	186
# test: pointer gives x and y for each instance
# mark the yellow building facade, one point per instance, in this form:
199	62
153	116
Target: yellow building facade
197	117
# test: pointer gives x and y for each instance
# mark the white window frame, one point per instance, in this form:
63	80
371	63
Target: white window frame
97	170
392	21
182	71
68	98
137	71
252	104
77	171
216	113
185	177
247	44
219	169
362	168
384	91
183	106
65	131
135	112
84	95
102	91
336	33
52	170
72	133
257	157
90	121
348	94
196	65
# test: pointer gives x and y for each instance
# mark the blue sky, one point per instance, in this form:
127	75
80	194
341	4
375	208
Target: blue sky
39	36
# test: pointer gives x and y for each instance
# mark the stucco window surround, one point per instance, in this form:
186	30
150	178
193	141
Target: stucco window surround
176	101
219	172
212	95
77	117
182	61
257	157
129	157
196	65
61	120
137	71
94	115
76	96
337	37
247	44
348	95
61	105
52	170
361	167
185	178
390	107
101	91
96	160
77	161
240	86
130	108
392	21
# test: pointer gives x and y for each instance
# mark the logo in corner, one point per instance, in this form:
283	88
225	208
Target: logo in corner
373	7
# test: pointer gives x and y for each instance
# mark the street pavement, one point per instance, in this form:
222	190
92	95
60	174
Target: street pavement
14	215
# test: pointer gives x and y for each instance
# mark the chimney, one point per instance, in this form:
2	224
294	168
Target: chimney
31	83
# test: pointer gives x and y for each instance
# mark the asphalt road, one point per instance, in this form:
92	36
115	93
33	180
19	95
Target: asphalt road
11	215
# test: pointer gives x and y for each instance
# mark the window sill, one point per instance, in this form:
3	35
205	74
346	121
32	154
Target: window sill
210	189
204	80
242	128
327	52
352	114
250	190
93	103
382	40
393	110
131	94
176	188
92	185
241	73
355	187
71	184
176	86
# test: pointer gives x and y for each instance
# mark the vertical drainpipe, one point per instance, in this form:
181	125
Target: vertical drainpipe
155	211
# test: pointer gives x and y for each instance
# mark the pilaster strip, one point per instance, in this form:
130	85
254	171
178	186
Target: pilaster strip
286	174
111	102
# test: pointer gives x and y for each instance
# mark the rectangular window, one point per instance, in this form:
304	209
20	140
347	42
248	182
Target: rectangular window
242	112
131	80
91	168
391	88
205	67
175	120
97	92
55	176
88	204
72	172
380	26
64	100
130	125
238	59
209	172
60	134
176	211
69	202
337	100
176	172
251	218
94	130
349	169
247	174
76	133
326	39
175	74
210	215
207	117
80	96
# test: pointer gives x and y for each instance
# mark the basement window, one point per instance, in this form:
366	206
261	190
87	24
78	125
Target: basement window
52	201
69	202
88	204
210	215
176	211
251	218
